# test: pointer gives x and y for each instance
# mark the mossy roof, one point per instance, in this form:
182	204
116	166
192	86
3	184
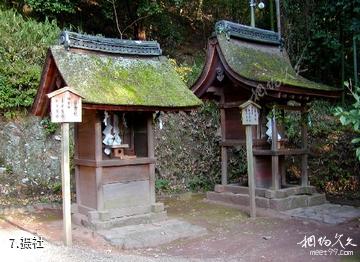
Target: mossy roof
263	63
123	80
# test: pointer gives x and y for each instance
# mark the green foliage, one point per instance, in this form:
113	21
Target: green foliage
188	73
162	185
351	118
319	35
187	149
49	127
199	183
23	45
52	7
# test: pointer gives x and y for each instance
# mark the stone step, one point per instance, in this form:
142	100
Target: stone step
151	235
119	222
280	204
267	193
236	199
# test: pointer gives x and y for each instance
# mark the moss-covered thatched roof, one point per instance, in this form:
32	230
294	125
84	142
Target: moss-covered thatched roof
263	63
123	80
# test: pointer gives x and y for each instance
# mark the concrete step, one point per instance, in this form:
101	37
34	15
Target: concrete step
151	235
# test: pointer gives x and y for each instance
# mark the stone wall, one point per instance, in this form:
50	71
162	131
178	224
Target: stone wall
31	157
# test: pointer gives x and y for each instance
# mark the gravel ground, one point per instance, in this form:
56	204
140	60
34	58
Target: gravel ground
58	253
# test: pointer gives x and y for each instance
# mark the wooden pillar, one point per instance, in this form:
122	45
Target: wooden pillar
274	158
65	179
224	156
250	166
151	154
76	156
304	142
224	162
98	158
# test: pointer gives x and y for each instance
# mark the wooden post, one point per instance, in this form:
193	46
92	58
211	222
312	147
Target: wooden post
274	159
224	162
224	156
151	154
304	158
98	169
65	179
66	106
76	156
250	167
250	117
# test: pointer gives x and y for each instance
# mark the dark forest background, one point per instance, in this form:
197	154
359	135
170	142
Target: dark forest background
318	33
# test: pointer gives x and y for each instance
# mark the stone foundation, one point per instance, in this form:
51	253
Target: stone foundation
99	220
282	199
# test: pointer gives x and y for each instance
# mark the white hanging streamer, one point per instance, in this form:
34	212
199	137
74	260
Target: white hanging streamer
269	130
160	123
116	130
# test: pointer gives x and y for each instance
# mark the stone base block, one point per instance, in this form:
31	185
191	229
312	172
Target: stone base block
151	235
237	199
98	220
282	199
288	203
157	207
316	199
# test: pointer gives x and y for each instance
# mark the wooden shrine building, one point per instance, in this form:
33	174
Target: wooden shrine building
245	63
122	83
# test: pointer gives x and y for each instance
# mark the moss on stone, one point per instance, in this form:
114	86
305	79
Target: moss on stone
116	80
264	64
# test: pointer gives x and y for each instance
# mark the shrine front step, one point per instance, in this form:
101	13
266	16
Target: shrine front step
267	193
97	224
151	235
280	204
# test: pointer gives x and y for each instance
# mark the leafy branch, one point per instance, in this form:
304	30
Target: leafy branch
351	117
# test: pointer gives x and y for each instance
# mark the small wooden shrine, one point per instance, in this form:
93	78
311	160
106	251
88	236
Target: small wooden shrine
246	63
122	83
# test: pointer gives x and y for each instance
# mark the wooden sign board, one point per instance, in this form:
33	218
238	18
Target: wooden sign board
65	106
250	112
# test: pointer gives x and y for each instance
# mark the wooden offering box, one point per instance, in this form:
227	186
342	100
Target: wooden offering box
109	182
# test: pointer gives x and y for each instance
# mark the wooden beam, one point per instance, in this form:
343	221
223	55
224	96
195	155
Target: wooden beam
233	142
280	152
115	162
136	108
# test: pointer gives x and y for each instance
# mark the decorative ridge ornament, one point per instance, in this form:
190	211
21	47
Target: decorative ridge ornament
231	29
109	45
